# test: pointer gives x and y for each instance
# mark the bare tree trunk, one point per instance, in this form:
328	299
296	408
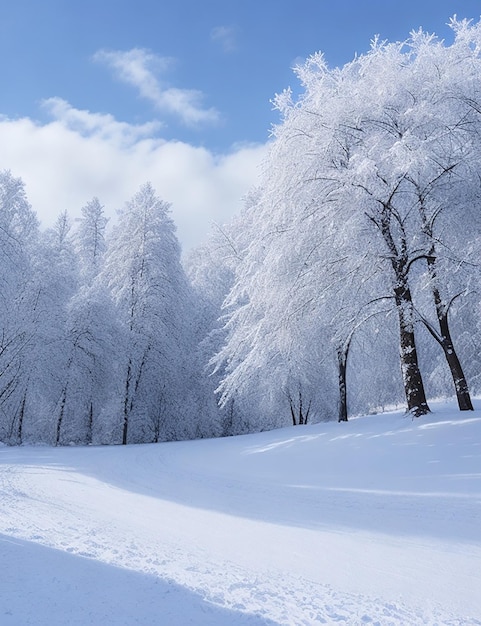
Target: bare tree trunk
125	424
60	416
411	374
293	414
342	375
446	343
442	310
459	379
90	423
21	416
298	414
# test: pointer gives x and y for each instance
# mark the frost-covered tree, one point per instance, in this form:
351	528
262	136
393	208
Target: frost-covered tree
212	268
303	281
89	239
369	194
91	340
56	279
147	283
18	304
404	151
425	134
90	337
274	344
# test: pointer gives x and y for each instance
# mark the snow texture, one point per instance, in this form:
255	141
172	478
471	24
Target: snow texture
376	521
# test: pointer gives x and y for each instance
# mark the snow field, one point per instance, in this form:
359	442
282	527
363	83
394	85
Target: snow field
376	521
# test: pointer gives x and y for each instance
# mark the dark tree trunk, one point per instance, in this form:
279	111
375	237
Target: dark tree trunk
90	423
411	374
125	424
60	417
293	415
21	415
460	384
299	415
446	342
442	310
342	361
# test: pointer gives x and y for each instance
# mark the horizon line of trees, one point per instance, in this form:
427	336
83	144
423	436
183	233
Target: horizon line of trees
349	282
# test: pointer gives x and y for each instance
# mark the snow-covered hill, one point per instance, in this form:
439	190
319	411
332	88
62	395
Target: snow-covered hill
377	521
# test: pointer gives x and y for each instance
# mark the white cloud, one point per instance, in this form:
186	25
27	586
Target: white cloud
80	154
142	69
102	125
224	35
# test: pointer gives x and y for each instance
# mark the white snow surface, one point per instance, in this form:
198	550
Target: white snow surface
376	521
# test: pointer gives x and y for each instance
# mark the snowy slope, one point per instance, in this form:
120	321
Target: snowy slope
377	521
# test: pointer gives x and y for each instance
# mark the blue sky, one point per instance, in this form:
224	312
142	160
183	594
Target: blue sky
177	91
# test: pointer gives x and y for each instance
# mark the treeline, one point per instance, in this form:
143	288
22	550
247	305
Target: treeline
97	335
350	282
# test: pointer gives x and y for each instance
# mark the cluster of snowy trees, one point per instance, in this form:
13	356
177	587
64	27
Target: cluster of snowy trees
97	333
350	279
358	281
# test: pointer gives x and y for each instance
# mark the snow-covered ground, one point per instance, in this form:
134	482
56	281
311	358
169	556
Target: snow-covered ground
377	521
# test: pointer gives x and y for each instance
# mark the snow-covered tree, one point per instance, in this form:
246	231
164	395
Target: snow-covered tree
56	280
90	338
369	192
89	239
212	268
18	304
152	298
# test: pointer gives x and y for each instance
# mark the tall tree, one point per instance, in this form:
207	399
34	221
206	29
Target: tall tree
149	288
432	139
18	304
212	268
400	136
368	180
89	239
91	335
56	277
